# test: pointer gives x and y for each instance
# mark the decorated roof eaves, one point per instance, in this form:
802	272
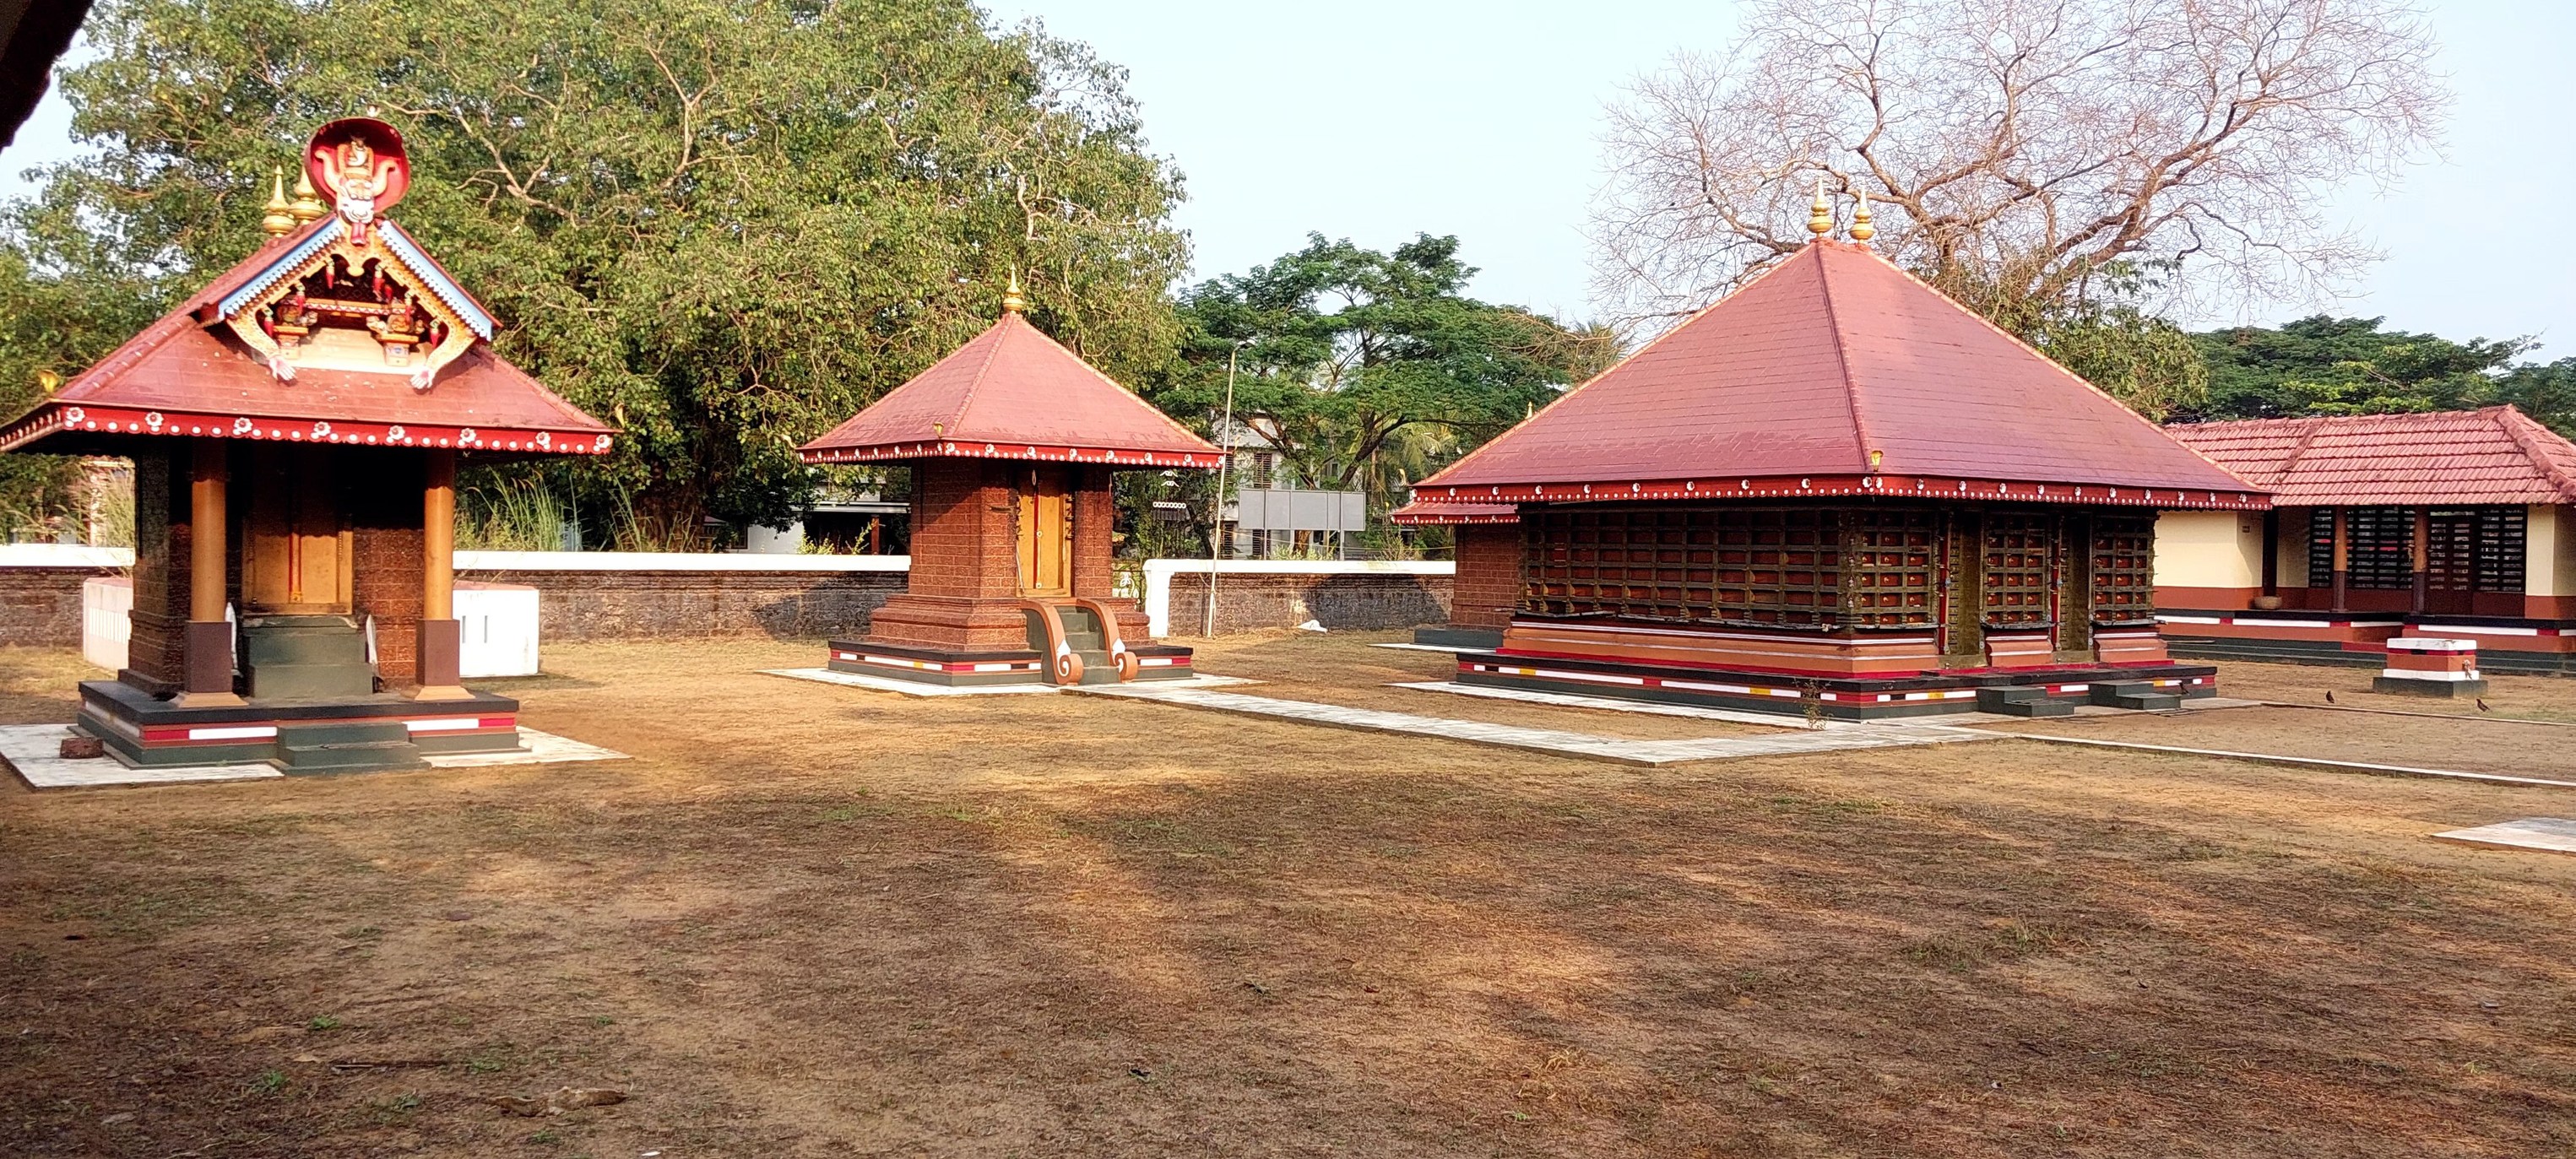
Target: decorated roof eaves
1873	486
284	266
429	271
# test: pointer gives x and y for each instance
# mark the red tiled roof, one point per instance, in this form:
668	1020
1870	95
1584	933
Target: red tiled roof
1013	393
2494	455
1794	384
1418	514
186	374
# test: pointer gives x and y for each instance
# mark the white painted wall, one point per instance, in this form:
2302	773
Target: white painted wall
1159	573
2209	549
107	619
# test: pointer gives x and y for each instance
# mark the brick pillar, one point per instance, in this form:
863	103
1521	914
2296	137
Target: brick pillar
964	588
1488	586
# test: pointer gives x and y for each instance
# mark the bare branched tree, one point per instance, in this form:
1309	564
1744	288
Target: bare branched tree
2020	151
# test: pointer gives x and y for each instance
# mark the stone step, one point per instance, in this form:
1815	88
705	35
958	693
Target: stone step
347	747
303	646
310	681
2021	701
1096	668
2138	695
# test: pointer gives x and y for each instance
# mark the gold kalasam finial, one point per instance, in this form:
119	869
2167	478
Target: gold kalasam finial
307	205
1820	216
277	222
1862	230
48	381
1012	302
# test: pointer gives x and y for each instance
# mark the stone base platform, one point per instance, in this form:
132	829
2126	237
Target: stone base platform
33	751
1833	698
333	735
971	669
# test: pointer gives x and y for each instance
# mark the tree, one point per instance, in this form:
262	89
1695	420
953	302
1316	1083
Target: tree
1367	370
723	226
2327	365
2031	158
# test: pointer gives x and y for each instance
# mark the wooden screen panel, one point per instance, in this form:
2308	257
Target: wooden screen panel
2380	548
1700	565
1891	567
1648	564
2498	565
2020	570
2321	566
2123	575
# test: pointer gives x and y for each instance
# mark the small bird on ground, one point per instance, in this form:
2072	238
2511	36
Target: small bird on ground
2329	696
2482	703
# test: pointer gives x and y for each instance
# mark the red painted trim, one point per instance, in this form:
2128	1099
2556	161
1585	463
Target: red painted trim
1823	486
1113	456
53	417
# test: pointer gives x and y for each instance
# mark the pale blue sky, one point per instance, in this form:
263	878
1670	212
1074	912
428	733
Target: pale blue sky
1377	120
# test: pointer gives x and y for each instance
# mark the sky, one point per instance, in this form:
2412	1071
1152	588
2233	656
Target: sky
1375	121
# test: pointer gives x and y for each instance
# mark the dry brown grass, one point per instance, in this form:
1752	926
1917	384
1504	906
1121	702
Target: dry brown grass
819	921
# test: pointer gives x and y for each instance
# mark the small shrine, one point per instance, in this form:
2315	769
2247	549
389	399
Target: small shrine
1836	490
1011	440
295	428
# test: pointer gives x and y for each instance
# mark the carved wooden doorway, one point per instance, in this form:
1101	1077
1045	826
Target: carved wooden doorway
1046	532
295	547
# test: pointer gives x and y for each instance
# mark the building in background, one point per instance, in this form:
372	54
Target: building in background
2444	524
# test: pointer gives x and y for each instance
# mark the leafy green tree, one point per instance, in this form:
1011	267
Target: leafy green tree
724	226
2326	365
1367	370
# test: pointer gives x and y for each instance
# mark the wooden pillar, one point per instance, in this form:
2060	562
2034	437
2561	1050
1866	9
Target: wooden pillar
207	677
440	639
2423	545
2342	556
2272	552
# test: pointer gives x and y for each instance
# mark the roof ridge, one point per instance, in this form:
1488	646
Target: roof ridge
2053	364
1614	367
2308	432
2526	433
1842	357
975	382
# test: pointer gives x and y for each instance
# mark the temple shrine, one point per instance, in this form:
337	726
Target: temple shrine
295	428
1011	441
1836	490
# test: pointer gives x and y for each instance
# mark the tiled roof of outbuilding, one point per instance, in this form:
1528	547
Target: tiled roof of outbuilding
2493	455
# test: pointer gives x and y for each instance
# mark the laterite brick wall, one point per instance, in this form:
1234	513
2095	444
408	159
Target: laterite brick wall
646	604
40	606
1339	601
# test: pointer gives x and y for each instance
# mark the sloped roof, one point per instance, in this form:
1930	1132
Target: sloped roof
185	374
1838	373
1418	514
2494	455
1013	393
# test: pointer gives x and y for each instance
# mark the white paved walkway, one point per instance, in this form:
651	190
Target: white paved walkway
2550	834
34	752
1632	752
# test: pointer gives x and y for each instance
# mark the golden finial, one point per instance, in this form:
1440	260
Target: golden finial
308	204
1012	302
1862	230
1820	216
48	381
277	222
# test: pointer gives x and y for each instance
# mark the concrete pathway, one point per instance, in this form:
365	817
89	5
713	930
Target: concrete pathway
1631	752
2548	834
875	683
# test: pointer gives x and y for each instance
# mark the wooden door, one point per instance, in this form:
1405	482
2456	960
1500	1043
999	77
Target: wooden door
295	550
1046	533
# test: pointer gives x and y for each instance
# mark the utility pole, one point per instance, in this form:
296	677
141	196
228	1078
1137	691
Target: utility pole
1216	518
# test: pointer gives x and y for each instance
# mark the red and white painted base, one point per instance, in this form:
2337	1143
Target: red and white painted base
2431	666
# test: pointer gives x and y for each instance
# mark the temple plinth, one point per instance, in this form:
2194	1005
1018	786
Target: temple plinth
295	428
1012	441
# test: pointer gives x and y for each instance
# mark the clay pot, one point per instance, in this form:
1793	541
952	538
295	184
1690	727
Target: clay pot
2267	603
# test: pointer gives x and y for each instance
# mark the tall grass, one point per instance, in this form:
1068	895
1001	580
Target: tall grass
510	515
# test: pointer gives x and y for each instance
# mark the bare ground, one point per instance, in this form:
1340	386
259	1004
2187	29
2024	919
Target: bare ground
820	921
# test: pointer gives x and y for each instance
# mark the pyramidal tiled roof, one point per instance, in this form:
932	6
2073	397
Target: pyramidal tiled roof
1013	393
2493	455
1838	373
